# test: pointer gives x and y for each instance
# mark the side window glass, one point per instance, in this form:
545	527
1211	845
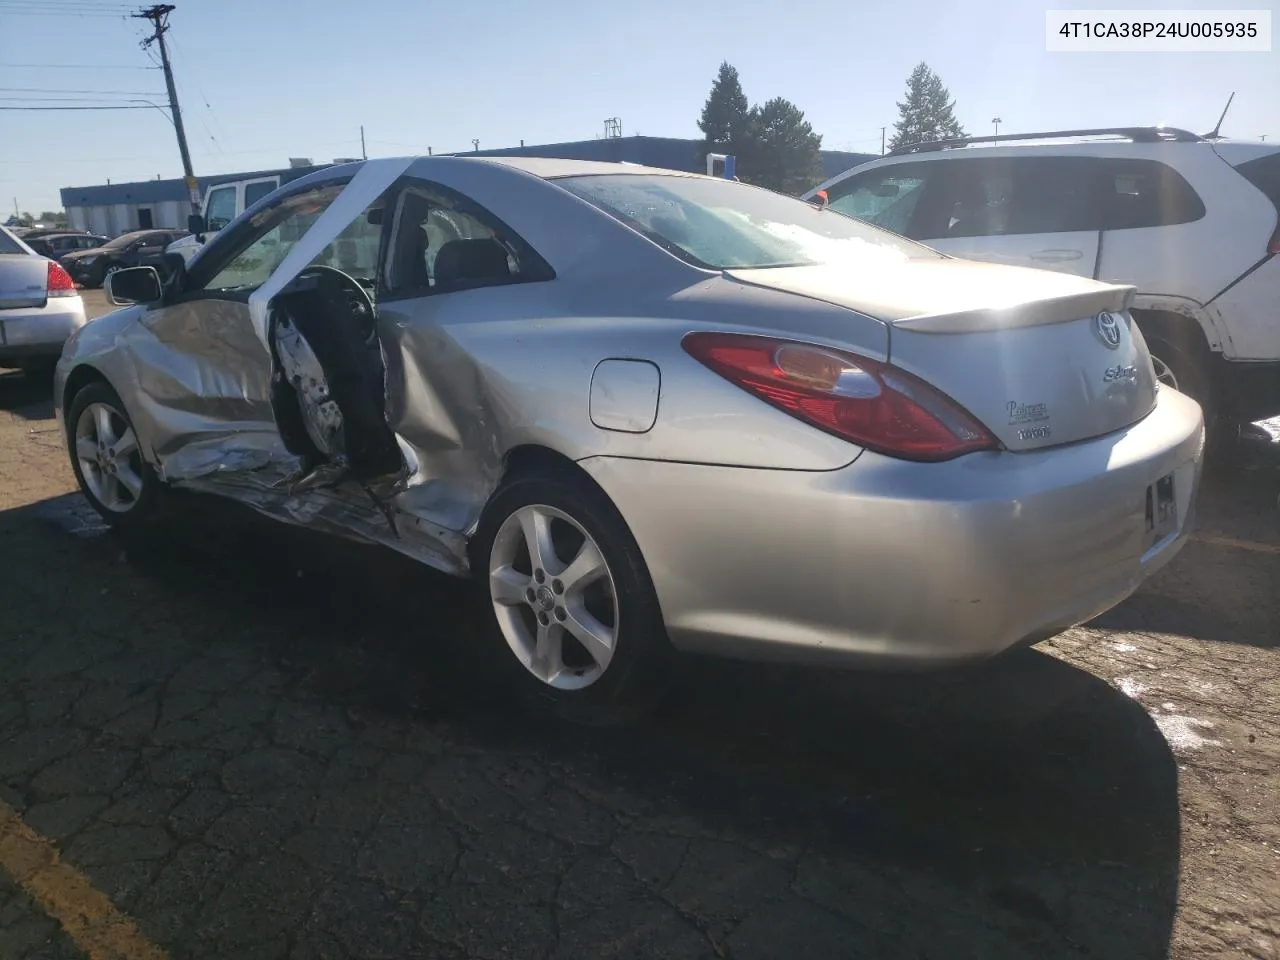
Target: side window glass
253	192
1147	193
442	242
355	250
1055	195
981	200
221	208
885	197
275	231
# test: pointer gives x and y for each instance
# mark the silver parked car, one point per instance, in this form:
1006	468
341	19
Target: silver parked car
39	307
648	411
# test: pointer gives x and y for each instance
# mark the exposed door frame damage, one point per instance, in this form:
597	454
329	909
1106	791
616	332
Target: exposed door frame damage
371	181
353	510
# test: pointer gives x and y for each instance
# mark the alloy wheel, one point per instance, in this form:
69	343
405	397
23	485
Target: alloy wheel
109	458
554	597
1164	374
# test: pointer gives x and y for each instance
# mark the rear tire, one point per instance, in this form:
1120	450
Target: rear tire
586	579
107	460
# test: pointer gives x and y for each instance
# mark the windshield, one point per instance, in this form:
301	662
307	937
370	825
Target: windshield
724	225
121	241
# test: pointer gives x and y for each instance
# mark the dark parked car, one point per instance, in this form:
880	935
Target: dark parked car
57	245
90	268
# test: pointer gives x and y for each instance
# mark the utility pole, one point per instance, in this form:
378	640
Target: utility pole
882	141
996	121
159	15
363	153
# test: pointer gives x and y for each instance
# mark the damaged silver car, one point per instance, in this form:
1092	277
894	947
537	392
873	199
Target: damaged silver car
648	411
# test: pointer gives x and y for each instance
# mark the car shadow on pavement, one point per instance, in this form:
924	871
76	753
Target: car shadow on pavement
29	397
1020	809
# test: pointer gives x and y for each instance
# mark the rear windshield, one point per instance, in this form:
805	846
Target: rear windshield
8	244
725	225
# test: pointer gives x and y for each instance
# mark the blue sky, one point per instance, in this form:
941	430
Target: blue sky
264	80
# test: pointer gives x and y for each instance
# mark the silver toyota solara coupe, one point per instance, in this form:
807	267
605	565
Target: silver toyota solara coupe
647	412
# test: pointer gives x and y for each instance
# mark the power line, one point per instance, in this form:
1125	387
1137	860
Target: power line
29	99
79	108
50	13
20	6
75	66
125	93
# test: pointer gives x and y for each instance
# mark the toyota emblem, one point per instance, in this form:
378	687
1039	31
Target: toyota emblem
1107	327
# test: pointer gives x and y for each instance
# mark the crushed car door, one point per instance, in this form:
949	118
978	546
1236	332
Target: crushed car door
317	319
203	363
203	376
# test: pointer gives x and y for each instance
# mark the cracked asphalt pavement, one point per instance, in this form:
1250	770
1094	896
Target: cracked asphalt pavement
258	743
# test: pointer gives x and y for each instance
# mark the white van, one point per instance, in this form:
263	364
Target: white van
223	202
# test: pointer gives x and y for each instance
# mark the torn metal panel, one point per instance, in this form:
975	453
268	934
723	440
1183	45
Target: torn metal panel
200	382
346	510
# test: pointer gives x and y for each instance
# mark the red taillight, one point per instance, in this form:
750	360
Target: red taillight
60	282
864	401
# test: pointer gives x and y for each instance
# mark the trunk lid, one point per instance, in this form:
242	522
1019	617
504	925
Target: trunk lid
1040	358
24	281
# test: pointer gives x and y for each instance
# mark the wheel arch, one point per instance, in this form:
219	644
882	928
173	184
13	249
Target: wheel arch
531	459
77	380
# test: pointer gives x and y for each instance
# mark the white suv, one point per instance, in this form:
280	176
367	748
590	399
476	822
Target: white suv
1191	222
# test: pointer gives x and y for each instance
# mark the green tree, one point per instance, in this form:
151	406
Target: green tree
926	114
53	218
725	120
783	152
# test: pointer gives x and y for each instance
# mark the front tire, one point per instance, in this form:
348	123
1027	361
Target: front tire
568	601
107	459
107	271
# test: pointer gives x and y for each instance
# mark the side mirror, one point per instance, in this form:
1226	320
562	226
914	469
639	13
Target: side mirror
195	224
134	285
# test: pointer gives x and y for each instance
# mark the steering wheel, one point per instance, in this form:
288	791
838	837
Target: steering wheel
361	302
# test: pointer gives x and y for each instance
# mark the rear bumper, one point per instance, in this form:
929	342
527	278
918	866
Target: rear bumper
41	332
891	562
1249	390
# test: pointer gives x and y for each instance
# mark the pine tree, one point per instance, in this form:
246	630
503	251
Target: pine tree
725	121
926	114
784	153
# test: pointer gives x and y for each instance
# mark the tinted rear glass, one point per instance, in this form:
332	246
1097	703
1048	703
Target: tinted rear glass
8	244
1146	193
1264	173
724	225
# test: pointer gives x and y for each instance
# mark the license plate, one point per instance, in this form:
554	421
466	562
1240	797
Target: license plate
1162	510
